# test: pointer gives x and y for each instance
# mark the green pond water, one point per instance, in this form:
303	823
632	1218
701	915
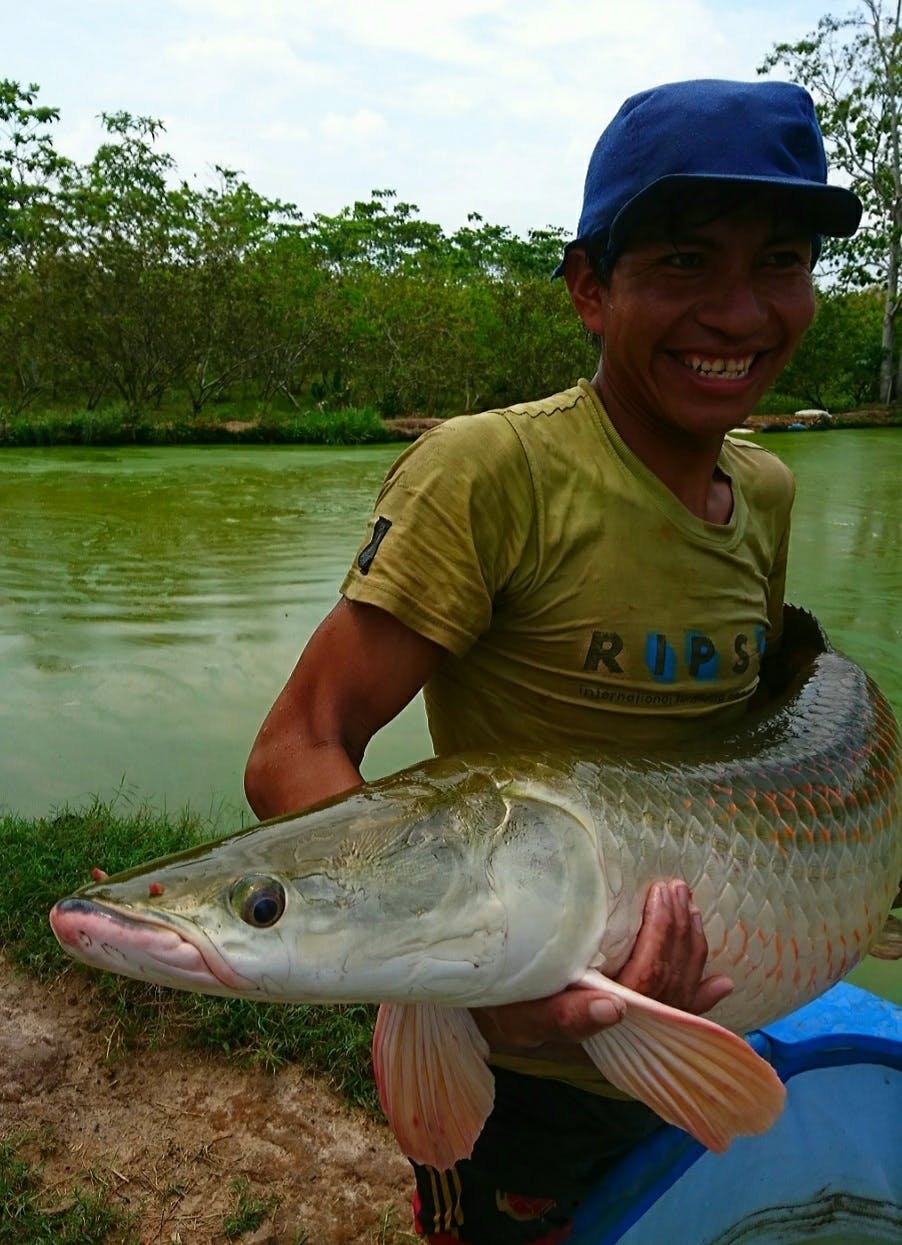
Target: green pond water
153	601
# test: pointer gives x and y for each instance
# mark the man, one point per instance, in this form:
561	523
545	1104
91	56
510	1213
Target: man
598	569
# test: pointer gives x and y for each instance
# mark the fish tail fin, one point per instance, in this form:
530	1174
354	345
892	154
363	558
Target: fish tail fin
689	1070
434	1084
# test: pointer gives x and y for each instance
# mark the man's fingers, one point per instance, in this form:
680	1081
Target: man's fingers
698	943
604	1011
670	951
669	956
710	992
571	1016
667	963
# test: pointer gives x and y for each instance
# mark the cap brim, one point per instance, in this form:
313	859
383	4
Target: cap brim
830	210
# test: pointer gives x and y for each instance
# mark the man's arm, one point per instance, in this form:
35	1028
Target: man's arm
359	669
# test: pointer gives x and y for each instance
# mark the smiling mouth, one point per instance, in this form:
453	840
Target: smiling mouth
718	368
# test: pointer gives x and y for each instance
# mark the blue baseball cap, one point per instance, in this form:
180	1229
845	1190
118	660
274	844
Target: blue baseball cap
709	132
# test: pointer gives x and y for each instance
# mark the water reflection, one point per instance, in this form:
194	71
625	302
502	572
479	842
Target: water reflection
846	558
152	602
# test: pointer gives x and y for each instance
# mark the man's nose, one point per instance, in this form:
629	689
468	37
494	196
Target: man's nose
733	306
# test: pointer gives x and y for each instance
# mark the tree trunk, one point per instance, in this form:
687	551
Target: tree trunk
889	313
886	43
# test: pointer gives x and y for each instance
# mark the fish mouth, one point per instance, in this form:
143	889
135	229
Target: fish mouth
143	947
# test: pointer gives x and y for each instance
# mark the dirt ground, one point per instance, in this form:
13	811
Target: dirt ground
168	1131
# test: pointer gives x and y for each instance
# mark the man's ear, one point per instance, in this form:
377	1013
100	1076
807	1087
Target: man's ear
587	294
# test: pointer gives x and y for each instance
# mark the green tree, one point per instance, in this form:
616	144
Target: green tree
118	278
539	345
214	273
382	233
837	366
483	249
115	292
30	170
413	342
301	316
30	173
853	68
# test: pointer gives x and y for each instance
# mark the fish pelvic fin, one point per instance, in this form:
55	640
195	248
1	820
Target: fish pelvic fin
434	1084
689	1070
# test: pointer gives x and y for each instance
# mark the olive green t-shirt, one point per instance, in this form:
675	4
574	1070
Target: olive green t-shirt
579	601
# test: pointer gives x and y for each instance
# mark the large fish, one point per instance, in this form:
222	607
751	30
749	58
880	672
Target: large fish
477	880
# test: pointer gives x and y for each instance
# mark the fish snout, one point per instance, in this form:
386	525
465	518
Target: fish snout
68	921
138	945
96	936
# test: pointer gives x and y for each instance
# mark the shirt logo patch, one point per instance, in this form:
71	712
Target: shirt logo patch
366	555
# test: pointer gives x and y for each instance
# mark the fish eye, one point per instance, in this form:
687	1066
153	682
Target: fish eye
259	901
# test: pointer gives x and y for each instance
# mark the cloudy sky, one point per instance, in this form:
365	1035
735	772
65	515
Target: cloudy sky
490	106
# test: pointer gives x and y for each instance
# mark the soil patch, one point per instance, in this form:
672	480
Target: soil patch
168	1131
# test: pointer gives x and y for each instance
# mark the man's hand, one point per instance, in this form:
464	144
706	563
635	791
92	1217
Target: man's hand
666	963
669	957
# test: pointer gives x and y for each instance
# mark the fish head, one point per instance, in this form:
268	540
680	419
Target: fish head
392	892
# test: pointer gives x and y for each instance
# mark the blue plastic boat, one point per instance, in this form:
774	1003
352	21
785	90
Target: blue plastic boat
829	1172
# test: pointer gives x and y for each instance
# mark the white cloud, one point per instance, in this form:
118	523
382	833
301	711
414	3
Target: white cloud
288	132
439	30
363	126
492	105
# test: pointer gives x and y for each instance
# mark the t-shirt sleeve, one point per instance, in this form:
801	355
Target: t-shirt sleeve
448	530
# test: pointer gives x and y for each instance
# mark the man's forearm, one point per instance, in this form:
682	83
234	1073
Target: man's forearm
286	777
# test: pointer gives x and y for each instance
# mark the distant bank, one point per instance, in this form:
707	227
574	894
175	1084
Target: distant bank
349	426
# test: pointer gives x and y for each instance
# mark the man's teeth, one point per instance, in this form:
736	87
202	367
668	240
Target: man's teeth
728	368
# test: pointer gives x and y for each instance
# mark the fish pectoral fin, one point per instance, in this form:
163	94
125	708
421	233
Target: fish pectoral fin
434	1084
889	945
689	1070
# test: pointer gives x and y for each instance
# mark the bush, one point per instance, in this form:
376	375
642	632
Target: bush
114	425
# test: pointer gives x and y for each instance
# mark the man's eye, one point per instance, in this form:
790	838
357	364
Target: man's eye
785	259
684	260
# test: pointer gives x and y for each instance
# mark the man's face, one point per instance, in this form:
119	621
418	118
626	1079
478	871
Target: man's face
697	322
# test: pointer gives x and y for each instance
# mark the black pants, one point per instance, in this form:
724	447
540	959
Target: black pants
543	1149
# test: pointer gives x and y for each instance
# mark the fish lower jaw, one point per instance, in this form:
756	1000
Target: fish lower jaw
143	950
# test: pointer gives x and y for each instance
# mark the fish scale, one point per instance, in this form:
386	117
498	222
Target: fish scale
829	850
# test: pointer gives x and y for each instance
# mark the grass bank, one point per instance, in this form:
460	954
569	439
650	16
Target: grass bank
230	423
45	859
241	424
